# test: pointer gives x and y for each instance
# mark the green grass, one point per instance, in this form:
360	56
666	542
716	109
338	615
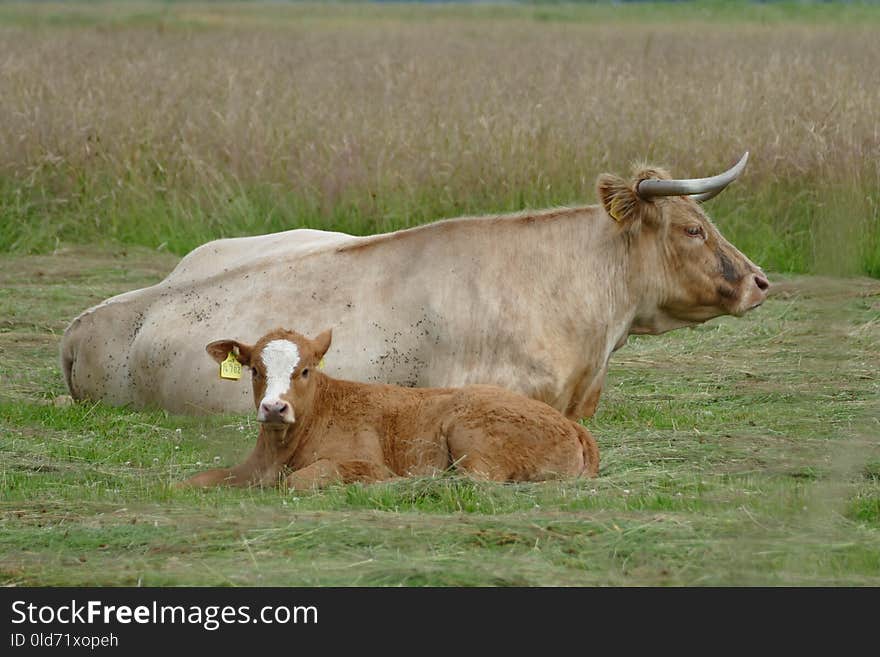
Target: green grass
743	452
776	227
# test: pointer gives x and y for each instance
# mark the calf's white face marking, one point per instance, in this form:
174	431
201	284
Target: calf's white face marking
280	358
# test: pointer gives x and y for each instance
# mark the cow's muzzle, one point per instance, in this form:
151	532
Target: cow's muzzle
275	411
757	287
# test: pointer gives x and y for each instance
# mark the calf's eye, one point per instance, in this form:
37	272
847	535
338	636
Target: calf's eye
694	231
305	373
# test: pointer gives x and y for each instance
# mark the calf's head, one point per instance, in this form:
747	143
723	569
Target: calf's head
684	269
282	364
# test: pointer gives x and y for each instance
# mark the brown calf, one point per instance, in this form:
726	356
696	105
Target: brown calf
316	430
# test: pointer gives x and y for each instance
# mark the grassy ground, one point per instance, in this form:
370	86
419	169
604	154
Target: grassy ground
742	452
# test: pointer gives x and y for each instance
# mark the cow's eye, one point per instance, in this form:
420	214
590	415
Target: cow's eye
694	231
305	373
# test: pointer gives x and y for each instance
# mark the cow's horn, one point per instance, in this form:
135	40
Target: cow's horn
699	189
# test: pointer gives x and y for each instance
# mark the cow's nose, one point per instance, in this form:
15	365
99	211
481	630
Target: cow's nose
273	410
762	282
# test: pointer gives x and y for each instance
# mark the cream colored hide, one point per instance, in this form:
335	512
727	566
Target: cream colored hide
535	302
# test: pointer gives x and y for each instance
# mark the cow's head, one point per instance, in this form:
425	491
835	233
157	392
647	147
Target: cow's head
282	363
686	271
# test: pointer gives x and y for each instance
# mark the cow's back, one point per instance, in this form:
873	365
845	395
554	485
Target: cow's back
242	253
124	349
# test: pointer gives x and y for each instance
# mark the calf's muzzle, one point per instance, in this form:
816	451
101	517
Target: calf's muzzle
275	411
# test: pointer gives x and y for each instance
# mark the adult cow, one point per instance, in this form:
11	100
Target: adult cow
535	301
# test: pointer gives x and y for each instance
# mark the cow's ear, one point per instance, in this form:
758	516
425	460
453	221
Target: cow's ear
322	343
618	199
219	350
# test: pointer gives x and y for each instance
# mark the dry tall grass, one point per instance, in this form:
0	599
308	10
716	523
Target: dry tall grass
400	121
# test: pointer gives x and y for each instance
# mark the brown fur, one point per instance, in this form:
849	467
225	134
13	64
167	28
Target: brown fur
345	431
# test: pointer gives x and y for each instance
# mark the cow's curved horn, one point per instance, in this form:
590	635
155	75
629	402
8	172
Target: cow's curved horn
699	189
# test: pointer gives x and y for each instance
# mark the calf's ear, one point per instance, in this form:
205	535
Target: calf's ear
322	343
220	349
618	198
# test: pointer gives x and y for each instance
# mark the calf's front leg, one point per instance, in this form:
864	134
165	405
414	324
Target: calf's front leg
259	470
218	477
238	476
262	467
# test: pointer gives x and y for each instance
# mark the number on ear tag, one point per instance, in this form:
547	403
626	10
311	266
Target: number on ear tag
230	368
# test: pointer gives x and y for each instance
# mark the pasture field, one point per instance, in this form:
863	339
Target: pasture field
743	452
167	124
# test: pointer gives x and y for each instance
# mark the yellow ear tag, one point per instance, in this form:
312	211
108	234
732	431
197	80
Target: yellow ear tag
230	368
321	364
